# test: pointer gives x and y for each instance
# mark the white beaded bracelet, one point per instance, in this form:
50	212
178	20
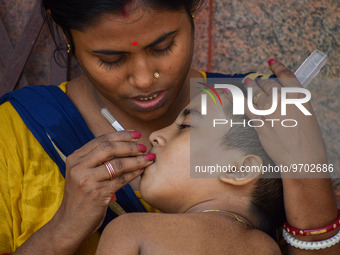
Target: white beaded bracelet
314	245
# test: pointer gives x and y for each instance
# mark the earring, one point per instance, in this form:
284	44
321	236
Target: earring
68	48
156	75
192	15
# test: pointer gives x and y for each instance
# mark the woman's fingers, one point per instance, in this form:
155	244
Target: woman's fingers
259	97
287	79
122	166
284	75
266	92
267	85
119	149
121	181
107	150
256	89
123	136
110	187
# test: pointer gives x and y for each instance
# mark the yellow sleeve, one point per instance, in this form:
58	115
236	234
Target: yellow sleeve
204	75
148	207
31	185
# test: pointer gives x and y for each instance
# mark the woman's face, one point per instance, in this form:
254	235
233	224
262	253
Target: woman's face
166	184
120	54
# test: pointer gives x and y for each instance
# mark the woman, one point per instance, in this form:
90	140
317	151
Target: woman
136	64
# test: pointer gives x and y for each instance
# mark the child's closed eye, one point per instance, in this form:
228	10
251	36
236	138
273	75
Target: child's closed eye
182	126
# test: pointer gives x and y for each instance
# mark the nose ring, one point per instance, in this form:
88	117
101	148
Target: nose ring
156	75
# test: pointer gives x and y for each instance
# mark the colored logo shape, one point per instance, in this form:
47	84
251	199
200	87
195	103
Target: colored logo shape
209	93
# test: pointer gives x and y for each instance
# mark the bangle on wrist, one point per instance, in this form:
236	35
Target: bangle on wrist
315	245
313	232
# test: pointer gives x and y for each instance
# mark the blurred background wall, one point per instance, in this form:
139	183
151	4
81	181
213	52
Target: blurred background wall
232	36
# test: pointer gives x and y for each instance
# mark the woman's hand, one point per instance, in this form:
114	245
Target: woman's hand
287	146
309	202
89	188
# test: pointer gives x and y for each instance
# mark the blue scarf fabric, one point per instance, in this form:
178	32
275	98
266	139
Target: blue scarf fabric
50	115
235	78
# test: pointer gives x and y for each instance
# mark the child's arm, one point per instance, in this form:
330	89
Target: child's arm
121	237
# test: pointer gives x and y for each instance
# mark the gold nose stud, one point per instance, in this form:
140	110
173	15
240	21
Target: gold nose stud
156	75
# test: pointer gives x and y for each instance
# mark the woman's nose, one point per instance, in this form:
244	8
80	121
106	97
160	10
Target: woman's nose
142	75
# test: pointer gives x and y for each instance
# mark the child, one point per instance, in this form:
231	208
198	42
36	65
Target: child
233	214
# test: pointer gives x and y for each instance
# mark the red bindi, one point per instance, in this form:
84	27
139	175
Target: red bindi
125	13
134	43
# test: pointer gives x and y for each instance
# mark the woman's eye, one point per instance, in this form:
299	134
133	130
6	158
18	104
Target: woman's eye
182	126
110	65
164	51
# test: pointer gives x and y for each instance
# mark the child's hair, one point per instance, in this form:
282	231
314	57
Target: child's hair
267	196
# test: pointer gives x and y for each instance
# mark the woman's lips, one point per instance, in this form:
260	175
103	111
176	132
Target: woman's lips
149	103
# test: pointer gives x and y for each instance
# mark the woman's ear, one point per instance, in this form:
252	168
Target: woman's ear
249	170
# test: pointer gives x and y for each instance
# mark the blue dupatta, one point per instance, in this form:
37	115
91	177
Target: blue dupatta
51	116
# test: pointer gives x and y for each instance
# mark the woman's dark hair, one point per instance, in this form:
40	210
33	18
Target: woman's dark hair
80	14
267	196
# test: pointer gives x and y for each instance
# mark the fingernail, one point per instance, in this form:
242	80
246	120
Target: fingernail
150	156
142	148
247	80
227	91
271	61
136	134
113	198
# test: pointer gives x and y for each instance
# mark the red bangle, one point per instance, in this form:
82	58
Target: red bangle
313	232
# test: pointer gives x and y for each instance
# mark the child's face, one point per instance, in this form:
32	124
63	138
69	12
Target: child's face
166	184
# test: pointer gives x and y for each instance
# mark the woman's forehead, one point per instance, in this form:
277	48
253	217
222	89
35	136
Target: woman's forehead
135	16
144	27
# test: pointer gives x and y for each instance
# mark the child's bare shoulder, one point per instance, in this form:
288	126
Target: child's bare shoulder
261	243
123	235
147	233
